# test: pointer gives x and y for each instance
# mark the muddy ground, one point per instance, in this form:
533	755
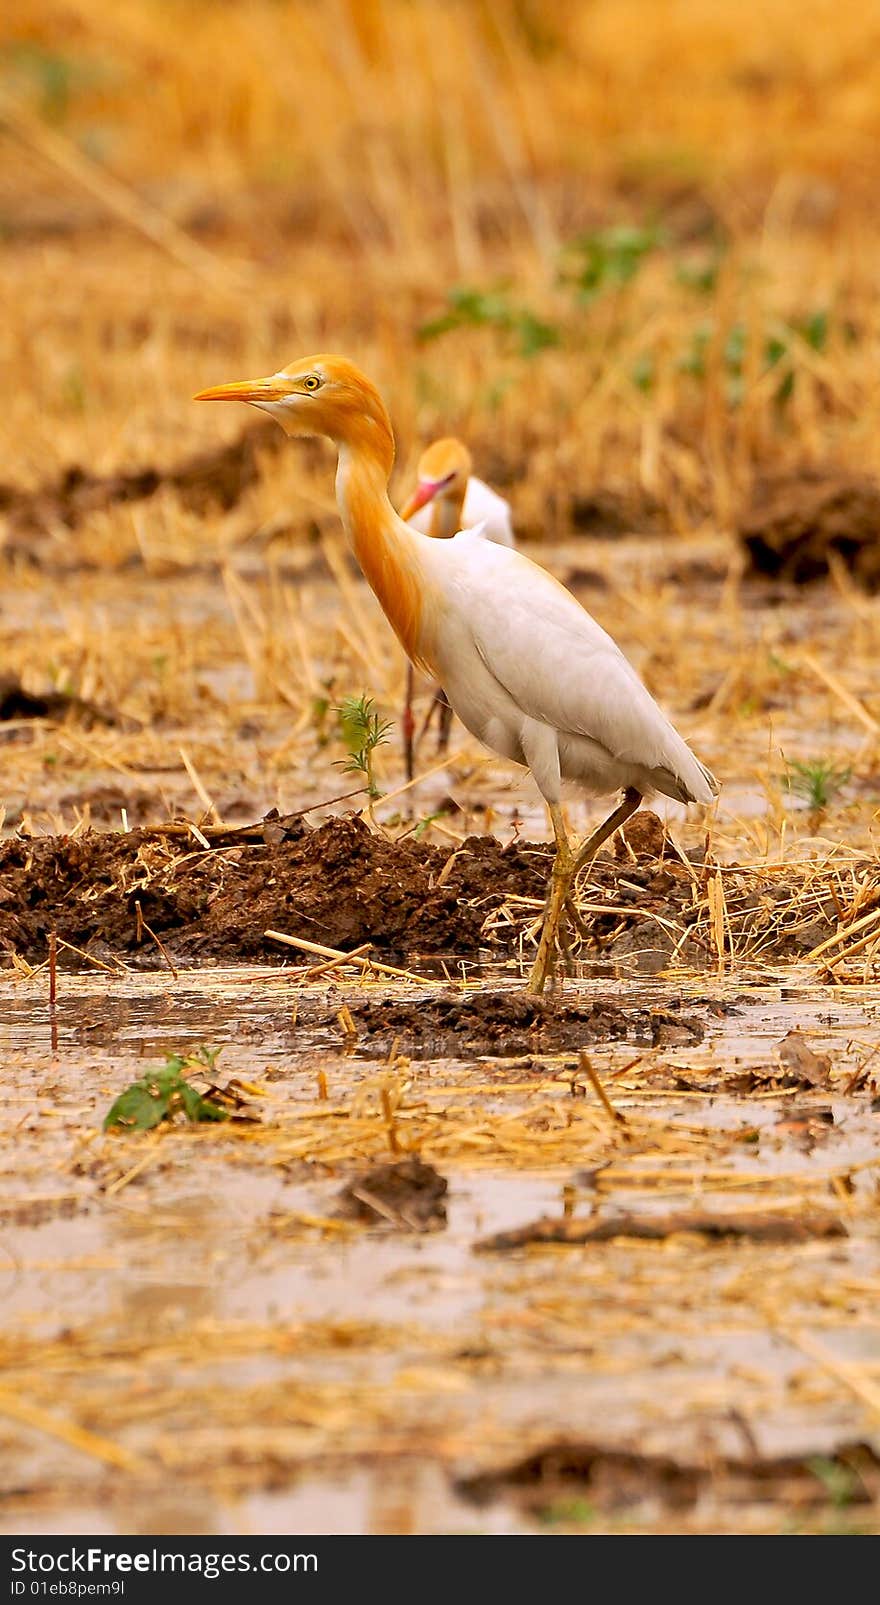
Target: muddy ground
149	893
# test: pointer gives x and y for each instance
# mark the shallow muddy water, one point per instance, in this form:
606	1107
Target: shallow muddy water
197	1300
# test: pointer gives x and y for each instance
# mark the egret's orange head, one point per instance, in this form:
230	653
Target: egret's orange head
322	395
443	471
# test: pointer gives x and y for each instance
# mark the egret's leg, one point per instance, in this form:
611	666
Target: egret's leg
408	723
444	724
623	812
437	702
557	895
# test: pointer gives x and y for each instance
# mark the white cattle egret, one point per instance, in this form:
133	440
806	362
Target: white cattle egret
525	667
448	497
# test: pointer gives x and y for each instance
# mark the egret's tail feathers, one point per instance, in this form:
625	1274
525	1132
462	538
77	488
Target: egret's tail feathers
713	784
690	782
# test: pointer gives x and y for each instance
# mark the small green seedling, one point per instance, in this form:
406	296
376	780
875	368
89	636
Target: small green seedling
817	781
567	1512
424	825
362	731
778	349
608	258
700	275
468	308
161	1094
841	1483
320	710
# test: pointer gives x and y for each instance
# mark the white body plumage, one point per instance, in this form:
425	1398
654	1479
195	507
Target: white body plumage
529	672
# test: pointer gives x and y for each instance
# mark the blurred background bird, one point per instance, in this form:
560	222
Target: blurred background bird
448	497
525	667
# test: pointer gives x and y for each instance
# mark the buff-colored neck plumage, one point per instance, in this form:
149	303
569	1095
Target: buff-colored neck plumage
446	514
328	395
385	547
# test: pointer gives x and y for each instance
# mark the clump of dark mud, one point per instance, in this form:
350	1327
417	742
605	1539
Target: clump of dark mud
407	1195
341	885
505	1024
755	1226
644	835
612	1477
797	524
608	511
217	478
107	803
17	703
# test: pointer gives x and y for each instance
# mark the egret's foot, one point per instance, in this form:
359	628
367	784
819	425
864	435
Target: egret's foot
576	919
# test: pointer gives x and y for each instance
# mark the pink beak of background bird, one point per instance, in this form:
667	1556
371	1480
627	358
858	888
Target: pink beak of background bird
424	492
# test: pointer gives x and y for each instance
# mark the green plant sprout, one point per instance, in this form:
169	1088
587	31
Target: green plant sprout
161	1094
816	780
841	1482
607	259
469	308
362	732
778	350
424	825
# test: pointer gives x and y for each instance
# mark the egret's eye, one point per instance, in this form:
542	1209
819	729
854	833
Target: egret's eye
311	382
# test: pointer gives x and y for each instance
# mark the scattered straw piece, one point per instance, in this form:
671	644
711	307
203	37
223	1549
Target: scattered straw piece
88	1443
612	1113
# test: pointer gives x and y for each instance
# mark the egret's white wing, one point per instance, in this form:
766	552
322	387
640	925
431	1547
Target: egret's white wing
558	665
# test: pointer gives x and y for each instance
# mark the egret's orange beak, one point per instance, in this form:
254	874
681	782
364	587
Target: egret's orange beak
424	492
275	388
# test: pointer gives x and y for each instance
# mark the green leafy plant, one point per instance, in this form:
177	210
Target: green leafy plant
779	345
817	780
362	731
568	1512
700	275
161	1094
321	706
642	371
424	825
469	308
841	1482
608	258
54	78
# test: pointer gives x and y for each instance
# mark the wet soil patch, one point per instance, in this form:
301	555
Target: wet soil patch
16	704
753	1226
505	1024
408	1195
617	511
551	1480
798	524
